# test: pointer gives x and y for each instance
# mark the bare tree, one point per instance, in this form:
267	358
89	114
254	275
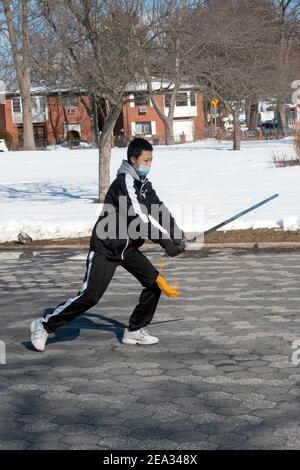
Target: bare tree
17	20
169	56
238	58
251	110
170	59
104	43
286	15
7	71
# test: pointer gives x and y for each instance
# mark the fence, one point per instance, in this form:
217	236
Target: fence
259	134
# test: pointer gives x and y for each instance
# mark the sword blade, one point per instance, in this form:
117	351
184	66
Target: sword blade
234	217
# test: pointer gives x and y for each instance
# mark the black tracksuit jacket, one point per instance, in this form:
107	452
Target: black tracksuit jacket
140	195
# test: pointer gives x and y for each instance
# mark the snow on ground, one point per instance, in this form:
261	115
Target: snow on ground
51	194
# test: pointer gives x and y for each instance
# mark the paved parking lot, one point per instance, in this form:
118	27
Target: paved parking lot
221	377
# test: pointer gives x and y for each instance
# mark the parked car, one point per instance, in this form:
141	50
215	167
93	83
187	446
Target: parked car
269	128
3	147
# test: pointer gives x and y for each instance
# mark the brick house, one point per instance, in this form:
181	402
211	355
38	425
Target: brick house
139	117
54	114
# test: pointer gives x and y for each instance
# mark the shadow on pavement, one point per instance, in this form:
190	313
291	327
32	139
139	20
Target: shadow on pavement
72	332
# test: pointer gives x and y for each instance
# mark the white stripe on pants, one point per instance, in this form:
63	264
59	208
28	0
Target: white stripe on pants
59	309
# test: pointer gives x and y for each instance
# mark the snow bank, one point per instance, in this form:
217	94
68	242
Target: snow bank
51	194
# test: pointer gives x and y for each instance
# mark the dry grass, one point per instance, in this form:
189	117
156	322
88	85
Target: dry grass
281	159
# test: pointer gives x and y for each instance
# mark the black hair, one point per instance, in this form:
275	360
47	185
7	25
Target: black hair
137	146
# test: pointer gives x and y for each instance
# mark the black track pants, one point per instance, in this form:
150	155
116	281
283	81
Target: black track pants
99	272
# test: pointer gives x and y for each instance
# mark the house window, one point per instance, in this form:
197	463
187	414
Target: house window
43	104
193	98
38	104
181	99
141	99
70	101
16	102
35	104
143	127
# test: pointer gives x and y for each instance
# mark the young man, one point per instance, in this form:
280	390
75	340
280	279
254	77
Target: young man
123	225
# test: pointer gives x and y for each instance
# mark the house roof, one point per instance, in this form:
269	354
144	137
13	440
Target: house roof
42	90
158	85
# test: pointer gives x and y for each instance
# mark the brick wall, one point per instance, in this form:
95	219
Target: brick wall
57	117
199	119
9	125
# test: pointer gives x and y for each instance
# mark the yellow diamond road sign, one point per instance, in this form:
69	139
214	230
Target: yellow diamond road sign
214	102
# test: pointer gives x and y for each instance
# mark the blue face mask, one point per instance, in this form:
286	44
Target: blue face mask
143	170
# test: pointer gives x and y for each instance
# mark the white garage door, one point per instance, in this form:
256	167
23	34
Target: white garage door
186	126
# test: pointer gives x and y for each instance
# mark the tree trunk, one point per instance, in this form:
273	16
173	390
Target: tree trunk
23	68
28	135
281	114
205	114
236	131
169	132
104	167
252	126
167	120
95	121
105	147
248	113
168	123
52	124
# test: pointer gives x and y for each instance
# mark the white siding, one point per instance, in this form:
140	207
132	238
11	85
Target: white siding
131	102
185	126
153	127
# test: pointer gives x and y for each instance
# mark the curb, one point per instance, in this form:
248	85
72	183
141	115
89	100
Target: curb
208	246
256	245
29	247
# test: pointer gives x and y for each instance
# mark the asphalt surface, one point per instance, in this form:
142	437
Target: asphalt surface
221	377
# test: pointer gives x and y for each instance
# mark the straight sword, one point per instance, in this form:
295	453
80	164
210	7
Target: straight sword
234	217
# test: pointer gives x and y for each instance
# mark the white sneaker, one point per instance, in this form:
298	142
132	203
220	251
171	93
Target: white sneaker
38	335
141	336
